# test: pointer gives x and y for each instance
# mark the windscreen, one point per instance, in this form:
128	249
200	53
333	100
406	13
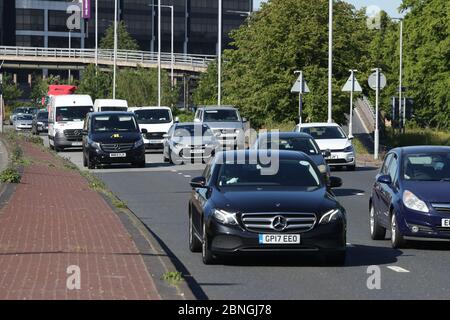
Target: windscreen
325	132
291	173
149	116
305	145
25	117
42	116
192	130
72	113
114	123
427	167
220	116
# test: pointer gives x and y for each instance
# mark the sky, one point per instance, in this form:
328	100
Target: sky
390	6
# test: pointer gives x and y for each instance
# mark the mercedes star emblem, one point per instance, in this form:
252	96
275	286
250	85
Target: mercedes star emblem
279	223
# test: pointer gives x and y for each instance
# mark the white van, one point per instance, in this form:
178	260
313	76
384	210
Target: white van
101	105
66	116
157	121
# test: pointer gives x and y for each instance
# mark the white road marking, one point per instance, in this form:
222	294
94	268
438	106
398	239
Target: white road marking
187	176
360	194
397	269
180	172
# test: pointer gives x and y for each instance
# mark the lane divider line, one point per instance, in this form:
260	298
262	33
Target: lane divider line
398	269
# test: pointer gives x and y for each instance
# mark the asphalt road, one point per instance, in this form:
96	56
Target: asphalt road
159	195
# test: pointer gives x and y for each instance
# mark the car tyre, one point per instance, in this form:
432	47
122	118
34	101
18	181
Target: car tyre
90	164
207	255
397	239
195	245
174	159
140	164
377	232
85	164
351	168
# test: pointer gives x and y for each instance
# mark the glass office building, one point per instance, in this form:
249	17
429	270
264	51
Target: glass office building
40	23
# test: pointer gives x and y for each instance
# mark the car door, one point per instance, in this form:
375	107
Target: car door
200	198
388	191
377	187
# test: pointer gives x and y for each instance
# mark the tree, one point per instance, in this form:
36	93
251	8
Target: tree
124	40
288	35
140	87
11	91
40	87
96	83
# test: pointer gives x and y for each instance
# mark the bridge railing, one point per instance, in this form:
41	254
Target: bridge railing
143	57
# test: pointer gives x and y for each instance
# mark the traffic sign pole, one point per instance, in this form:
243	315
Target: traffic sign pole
300	87
350	126
377	97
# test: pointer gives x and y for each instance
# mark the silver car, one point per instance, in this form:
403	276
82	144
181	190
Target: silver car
226	122
23	122
189	142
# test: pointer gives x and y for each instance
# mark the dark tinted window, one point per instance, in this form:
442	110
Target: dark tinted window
291	173
153	116
220	116
114	123
427	167
72	113
25	117
305	145
114	108
325	132
191	130
42	116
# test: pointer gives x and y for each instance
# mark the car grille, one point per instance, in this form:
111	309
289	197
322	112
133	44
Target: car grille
441	207
331	161
154	135
225	131
264	222
73	134
117	147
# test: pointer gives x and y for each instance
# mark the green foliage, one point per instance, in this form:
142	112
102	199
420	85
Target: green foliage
173	277
140	87
10	175
183	115
96	83
288	35
34	139
40	87
417	137
124	39
11	91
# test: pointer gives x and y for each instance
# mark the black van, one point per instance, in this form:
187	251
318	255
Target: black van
112	138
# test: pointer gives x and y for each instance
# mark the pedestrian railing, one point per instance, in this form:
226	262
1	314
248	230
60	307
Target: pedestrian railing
106	56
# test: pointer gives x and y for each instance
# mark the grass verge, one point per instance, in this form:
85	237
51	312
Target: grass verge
173	277
417	137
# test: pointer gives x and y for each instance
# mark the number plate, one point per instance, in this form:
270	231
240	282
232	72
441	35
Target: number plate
77	144
154	141
445	223
279	239
117	155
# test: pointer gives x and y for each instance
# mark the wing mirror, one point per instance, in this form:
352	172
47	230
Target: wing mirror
326	153
244	119
335	182
198	182
385	179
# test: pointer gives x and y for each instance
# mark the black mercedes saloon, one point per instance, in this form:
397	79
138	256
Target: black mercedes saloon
241	206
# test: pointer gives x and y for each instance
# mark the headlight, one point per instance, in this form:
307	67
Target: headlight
95	145
237	131
178	145
349	149
411	201
330	216
225	217
322	168
39	123
139	143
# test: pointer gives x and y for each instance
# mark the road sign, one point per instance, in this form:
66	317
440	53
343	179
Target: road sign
298	88
348	85
373	81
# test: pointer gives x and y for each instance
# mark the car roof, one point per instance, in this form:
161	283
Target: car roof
191	124
103	113
252	153
218	108
149	108
318	124
285	135
421	149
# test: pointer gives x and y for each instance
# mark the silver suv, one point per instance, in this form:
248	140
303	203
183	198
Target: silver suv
226	123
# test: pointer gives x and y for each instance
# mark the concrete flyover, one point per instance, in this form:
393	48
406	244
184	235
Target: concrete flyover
64	58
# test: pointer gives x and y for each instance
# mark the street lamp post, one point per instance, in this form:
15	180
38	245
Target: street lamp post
70	53
159	55
330	62
377	98
172	58
400	78
96	33
115	49
219	59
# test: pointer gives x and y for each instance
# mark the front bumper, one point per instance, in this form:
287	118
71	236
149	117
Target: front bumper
190	153
341	159
42	128
23	127
62	141
429	225
228	240
98	156
154	143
